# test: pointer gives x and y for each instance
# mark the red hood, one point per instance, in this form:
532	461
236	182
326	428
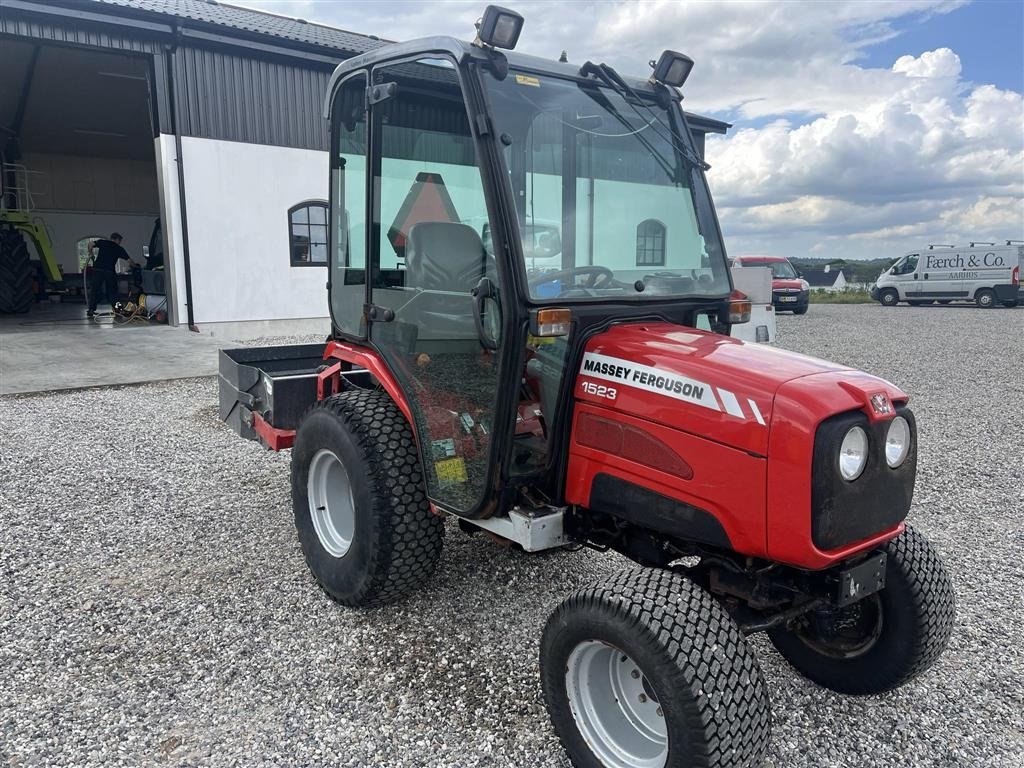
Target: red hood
787	282
696	381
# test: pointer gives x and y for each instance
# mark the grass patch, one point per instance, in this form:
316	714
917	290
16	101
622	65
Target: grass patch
821	296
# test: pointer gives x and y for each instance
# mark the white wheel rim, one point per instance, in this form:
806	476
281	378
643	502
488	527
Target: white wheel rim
615	707
331	506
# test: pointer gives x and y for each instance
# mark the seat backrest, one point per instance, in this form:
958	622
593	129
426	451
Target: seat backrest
444	256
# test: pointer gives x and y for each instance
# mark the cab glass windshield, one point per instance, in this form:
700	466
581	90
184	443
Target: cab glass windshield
610	200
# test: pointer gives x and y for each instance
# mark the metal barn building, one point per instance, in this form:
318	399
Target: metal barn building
202	115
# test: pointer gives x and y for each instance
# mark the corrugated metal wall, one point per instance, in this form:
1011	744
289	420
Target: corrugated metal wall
222	95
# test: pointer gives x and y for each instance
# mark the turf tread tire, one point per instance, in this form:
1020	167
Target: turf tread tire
406	538
723	711
15	273
923	590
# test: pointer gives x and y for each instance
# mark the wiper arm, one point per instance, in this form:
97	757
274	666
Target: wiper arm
616	82
659	158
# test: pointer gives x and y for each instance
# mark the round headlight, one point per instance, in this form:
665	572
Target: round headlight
897	442
853	453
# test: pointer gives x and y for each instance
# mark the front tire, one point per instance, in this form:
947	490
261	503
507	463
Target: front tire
800	311
885	640
646	669
888	298
360	504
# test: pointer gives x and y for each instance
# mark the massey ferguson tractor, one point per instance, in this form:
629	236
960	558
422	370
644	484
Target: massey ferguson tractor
591	399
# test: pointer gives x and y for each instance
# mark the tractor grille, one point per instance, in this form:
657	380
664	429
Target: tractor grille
844	513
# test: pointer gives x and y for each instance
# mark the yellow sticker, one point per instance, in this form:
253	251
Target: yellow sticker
451	470
528	80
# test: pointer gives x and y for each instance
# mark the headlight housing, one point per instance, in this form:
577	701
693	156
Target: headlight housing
897	442
853	454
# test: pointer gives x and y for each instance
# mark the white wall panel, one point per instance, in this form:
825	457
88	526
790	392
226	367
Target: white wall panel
237	198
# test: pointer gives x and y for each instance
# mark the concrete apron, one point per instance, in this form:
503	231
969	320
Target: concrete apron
101	354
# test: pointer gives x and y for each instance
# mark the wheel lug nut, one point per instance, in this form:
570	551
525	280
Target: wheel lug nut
643	698
635	673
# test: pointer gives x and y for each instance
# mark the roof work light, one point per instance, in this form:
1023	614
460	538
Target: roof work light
499	27
672	68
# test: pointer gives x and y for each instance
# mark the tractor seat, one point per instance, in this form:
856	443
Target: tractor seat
444	256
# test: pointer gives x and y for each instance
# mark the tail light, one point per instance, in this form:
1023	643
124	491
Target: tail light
739	308
1015	278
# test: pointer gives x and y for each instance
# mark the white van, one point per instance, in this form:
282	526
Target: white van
982	273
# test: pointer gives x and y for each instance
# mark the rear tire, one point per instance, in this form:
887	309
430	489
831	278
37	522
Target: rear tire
647	669
360	503
884	640
985	298
800	311
15	273
888	298
917	302
1011	304
945	301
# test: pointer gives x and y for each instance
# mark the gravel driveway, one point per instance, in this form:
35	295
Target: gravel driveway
155	607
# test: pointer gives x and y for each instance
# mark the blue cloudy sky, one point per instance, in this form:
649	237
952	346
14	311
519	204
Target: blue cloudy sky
861	129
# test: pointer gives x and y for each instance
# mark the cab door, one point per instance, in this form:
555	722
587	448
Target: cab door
435	292
905	277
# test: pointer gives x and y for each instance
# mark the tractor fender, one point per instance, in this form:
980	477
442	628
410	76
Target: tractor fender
362	357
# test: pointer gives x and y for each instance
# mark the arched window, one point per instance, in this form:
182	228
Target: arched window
307	234
650	244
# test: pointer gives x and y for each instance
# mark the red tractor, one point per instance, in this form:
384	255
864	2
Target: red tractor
590	396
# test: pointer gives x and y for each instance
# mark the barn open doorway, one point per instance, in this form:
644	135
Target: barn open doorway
77	146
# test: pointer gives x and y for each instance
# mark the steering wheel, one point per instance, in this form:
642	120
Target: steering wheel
598	276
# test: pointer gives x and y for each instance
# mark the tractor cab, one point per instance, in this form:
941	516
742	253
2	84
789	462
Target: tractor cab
490	211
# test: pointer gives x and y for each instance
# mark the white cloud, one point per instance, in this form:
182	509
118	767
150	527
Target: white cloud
840	159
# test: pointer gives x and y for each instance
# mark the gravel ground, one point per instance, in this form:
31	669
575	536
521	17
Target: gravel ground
155	607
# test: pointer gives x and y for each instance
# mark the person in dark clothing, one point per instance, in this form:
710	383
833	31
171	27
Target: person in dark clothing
106	254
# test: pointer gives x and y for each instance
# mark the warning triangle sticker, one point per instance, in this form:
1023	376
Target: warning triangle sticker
428	200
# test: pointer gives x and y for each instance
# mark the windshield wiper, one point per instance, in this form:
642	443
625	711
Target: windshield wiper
616	82
659	158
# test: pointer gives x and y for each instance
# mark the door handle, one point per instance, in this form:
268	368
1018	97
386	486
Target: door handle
484	290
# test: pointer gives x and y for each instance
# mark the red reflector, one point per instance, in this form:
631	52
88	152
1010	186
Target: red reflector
1015	279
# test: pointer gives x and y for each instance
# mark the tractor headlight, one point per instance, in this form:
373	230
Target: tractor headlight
853	453
897	442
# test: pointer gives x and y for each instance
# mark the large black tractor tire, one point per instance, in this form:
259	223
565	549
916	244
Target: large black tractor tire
889	297
15	273
360	502
647	668
886	639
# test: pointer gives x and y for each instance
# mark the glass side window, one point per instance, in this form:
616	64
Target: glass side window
348	207
428	257
908	266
